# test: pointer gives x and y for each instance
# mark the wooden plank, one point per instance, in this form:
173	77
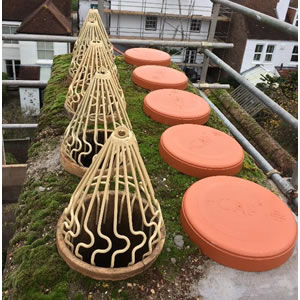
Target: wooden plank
13	175
175	16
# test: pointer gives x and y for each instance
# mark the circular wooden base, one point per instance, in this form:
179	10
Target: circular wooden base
100	273
70	165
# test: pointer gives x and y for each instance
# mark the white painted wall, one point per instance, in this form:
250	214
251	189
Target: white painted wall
201	7
84	7
282	54
10	51
134	26
28	55
281	9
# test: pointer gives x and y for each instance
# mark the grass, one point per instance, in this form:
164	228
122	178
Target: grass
36	270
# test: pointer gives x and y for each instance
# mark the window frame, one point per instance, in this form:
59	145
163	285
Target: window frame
147	21
193	27
295	21
269	53
10	26
44	50
190	55
93	6
256	52
15	65
294	54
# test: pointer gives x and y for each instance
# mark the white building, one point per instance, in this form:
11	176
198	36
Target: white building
256	43
36	17
160	20
23	53
270	54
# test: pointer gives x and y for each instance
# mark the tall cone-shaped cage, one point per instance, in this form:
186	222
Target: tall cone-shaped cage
91	32
102	106
92	16
112	228
93	60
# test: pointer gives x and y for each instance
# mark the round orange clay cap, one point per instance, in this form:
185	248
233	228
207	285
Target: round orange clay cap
147	56
238	223
201	151
172	107
158	77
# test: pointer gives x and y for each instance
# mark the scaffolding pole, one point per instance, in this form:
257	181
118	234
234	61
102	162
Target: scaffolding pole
29	83
273	106
280	25
19	126
70	39
286	187
101	11
211	34
204	85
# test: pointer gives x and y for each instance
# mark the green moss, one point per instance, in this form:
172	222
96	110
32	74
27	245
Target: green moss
10	159
78	297
39	272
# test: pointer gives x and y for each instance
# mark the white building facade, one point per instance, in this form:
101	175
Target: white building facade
25	53
270	54
157	19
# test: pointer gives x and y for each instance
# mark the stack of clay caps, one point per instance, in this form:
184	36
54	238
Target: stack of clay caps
147	56
238	223
171	107
201	151
159	77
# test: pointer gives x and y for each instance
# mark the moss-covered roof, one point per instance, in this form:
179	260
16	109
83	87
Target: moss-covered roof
34	269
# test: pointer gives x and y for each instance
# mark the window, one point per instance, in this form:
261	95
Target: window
12	69
296	19
269	52
195	25
190	55
258	51
9	29
94	6
151	23
45	50
295	54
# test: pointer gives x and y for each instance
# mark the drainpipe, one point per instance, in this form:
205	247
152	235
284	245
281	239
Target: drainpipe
285	187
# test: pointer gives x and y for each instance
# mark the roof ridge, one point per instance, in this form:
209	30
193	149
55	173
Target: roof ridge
51	8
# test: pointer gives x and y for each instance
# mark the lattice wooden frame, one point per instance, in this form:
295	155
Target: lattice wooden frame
102	106
131	194
94	59
93	15
91	32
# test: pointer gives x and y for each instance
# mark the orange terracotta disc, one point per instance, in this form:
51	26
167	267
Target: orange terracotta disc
238	223
201	151
172	107
147	56
158	77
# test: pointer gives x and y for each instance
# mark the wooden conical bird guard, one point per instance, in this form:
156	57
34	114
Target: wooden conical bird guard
94	59
113	227
91	32
101	105
92	16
